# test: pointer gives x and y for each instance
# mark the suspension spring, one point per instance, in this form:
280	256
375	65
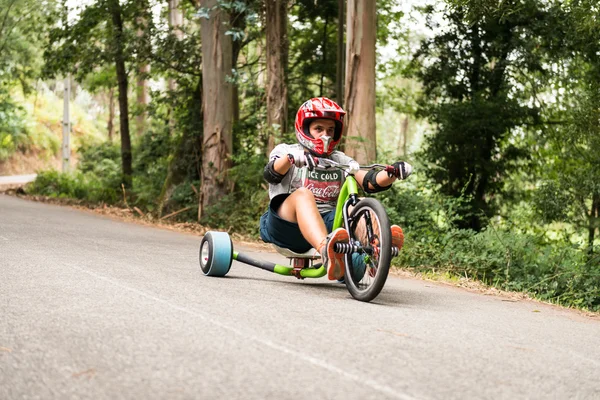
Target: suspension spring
347	248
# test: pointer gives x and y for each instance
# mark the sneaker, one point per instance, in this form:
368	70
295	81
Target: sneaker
334	262
397	236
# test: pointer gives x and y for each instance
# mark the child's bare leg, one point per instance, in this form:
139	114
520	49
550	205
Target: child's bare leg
300	207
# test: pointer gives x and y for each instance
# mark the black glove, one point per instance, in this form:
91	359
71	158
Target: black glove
302	159
401	170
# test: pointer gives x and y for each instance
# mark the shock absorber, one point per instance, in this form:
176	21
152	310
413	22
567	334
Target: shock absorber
348	248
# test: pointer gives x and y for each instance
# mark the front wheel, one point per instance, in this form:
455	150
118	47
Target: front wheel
367	268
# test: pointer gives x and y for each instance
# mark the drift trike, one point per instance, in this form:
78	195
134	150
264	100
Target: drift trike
367	255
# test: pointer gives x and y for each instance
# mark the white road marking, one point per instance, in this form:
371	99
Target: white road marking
302	356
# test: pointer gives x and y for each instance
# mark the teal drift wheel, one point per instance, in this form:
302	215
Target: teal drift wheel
216	254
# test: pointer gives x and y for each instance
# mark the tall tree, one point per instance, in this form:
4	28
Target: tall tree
341	53
469	73
359	99
277	59
142	88
118	46
104	34
217	102
175	22
570	190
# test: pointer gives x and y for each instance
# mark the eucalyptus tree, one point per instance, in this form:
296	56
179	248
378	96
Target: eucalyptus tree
217	102
143	69
104	33
359	98
277	60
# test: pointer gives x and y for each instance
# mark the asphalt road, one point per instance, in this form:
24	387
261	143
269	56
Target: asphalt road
13	181
95	308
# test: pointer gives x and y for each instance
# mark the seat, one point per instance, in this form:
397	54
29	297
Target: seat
311	254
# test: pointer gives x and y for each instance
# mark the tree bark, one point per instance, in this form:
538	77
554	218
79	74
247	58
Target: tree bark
175	22
142	99
403	142
111	114
119	58
238	21
277	59
359	99
216	103
339	76
594	221
324	44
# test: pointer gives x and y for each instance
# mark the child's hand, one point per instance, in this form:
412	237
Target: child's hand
402	170
301	158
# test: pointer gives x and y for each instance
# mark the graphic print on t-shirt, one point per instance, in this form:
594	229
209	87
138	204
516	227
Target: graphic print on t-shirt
324	184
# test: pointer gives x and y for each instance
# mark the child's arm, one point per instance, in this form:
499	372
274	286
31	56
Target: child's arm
373	181
279	166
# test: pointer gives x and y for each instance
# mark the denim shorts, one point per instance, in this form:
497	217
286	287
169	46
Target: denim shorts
276	230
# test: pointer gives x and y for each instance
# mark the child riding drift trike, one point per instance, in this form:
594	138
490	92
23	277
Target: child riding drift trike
315	212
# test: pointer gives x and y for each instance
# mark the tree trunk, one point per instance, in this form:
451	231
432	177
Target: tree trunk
238	21
359	98
594	221
216	103
175	18
117	20
277	57
143	94
339	76
175	22
324	44
111	114
142	99
403	142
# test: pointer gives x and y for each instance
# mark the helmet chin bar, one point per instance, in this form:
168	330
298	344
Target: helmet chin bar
326	140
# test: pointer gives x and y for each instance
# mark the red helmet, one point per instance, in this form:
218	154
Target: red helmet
319	108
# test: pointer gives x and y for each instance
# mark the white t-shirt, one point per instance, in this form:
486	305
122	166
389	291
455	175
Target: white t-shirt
325	184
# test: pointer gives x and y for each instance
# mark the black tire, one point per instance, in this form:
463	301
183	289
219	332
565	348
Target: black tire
367	270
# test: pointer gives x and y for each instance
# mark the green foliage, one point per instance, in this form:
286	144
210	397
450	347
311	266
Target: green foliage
469	74
11	126
91	155
20	43
150	168
241	210
87	187
557	272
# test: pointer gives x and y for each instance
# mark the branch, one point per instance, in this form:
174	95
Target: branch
174	68
6	16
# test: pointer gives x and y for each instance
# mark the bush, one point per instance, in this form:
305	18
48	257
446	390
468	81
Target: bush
241	209
552	271
73	185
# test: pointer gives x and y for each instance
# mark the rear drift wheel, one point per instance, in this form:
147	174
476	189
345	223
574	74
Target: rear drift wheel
216	254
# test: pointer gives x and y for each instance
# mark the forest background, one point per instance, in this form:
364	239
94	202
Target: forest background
176	104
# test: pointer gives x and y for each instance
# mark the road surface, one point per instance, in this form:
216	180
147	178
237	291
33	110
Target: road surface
95	308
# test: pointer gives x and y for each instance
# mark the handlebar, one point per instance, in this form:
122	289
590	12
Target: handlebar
326	163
